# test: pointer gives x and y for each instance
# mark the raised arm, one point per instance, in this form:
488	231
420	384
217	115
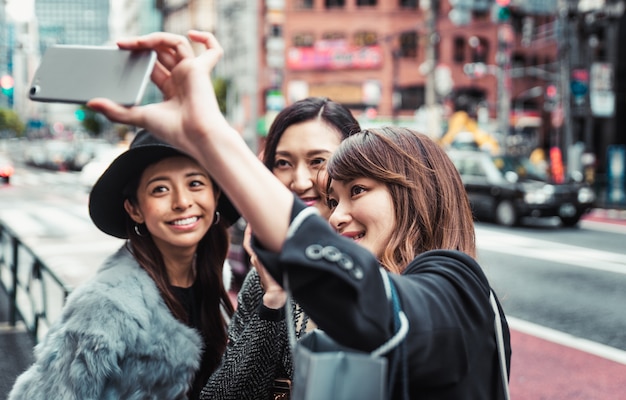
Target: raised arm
190	119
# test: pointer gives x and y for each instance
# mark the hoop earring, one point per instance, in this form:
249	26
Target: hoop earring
217	218
138	232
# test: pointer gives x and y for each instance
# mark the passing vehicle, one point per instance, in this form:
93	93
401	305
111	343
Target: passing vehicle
6	168
504	189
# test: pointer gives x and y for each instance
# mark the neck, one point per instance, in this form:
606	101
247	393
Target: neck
181	269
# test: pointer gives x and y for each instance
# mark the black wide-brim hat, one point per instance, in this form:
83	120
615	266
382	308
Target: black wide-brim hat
106	200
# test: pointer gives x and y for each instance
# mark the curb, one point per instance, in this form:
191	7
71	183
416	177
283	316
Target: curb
607	214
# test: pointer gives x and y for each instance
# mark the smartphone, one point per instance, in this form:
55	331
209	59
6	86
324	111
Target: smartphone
77	74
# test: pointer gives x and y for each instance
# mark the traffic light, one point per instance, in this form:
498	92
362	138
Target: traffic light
80	114
551	97
501	11
7	83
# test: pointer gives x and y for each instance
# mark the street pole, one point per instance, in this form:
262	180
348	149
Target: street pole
503	61
565	41
430	95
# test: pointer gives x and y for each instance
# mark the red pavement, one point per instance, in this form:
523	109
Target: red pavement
541	369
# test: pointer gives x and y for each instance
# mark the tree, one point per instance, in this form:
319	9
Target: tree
89	120
10	121
221	92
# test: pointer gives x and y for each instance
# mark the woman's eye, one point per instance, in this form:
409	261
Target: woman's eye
357	190
196	184
318	161
281	164
159	189
332	203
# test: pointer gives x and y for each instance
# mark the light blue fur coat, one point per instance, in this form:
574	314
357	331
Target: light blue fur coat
115	339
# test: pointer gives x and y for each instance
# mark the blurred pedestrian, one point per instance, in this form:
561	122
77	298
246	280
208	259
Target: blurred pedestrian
152	322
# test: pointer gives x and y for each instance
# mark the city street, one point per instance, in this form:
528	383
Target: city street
561	288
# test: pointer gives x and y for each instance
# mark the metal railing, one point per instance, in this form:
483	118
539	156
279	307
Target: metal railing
36	293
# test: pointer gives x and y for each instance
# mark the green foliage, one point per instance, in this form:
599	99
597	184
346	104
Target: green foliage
221	91
89	120
9	120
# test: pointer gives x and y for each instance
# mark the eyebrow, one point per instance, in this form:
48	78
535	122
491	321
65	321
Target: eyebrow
308	153
187	175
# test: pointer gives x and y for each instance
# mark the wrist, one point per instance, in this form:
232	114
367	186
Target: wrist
275	299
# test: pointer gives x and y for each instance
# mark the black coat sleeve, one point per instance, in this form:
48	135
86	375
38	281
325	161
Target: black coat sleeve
336	281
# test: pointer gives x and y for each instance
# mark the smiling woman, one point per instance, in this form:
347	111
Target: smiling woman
159	303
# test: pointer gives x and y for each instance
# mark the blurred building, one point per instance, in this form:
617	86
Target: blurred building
390	61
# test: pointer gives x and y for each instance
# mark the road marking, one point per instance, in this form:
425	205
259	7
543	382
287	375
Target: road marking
501	242
568	340
19	327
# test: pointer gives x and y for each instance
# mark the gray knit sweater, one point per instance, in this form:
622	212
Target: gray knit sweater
257	351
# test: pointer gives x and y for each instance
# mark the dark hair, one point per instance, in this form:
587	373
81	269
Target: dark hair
334	114
430	202
212	296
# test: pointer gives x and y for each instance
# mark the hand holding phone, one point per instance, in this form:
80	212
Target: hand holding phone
77	74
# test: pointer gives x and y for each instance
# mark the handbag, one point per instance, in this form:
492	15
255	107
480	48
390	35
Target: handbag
324	369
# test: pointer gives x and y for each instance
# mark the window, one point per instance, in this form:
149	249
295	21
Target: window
479	49
408	3
408	44
361	3
335	3
304	4
276	30
333	36
411	97
459	50
365	39
303	40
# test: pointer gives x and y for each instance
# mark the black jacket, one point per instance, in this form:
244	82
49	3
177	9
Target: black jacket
450	349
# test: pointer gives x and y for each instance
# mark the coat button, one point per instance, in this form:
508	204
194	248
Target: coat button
314	252
357	273
345	262
331	253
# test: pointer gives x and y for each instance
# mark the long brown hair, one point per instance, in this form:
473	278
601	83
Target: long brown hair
211	299
431	205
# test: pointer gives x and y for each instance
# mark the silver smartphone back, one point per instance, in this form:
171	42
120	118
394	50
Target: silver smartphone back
77	74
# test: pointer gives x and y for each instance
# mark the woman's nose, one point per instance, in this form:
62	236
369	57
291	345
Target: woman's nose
181	200
302	180
339	217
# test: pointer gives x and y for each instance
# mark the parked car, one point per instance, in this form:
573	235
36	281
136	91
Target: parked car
504	189
6	168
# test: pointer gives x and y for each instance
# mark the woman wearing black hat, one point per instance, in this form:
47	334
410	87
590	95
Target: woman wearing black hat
152	322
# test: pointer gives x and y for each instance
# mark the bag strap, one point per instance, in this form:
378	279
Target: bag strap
401	322
500	345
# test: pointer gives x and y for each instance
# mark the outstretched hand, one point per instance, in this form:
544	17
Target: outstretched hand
189	118
189	106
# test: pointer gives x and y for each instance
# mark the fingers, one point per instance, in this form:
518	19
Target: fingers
116	112
214	49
